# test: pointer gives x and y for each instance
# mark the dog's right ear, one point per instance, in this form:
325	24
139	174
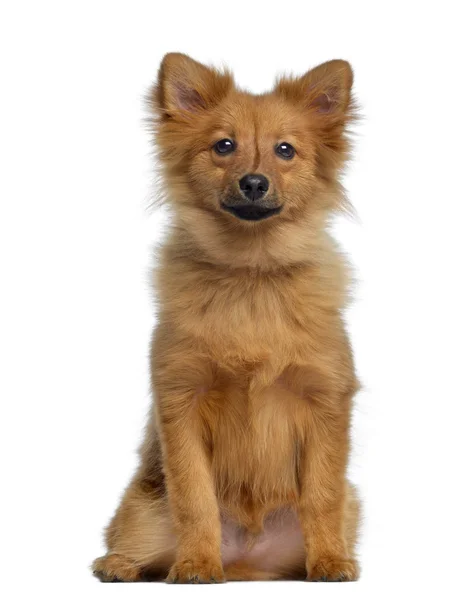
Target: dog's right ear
186	87
326	89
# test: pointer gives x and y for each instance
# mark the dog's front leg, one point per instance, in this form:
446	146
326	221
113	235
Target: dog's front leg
177	386
323	491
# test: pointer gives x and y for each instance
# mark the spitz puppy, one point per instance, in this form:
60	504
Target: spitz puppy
243	466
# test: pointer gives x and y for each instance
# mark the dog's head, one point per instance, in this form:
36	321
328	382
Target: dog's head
251	161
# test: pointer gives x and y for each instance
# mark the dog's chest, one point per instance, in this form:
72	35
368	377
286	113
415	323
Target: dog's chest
248	317
255	445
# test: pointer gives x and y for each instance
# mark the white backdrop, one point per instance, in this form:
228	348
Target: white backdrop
75	249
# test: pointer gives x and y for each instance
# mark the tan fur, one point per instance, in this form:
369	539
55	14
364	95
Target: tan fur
252	372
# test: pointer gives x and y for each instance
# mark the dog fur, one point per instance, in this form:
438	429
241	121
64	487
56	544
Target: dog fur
243	466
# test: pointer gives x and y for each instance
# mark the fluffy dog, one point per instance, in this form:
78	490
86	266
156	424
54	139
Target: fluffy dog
243	466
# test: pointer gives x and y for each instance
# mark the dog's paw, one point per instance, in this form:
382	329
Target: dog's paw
114	568
196	571
333	569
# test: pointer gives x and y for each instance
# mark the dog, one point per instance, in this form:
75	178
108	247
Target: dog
243	467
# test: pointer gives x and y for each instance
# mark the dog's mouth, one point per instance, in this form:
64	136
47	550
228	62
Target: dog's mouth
251	212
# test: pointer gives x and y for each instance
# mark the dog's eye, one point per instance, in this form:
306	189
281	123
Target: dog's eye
285	150
224	146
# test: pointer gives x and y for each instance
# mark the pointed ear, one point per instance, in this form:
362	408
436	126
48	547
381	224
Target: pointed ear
326	89
186	86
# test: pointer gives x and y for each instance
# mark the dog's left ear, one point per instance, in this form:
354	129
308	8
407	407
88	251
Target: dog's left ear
186	87
326	89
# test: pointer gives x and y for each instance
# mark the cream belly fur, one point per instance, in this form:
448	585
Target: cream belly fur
279	547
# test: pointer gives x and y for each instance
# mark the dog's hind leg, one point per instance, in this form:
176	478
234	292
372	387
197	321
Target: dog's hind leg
140	540
352	518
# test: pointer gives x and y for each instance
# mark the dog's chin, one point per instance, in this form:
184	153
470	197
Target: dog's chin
251	212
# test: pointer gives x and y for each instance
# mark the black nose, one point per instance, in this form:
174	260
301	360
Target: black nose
254	186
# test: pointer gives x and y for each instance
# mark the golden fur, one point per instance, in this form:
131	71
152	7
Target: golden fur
242	472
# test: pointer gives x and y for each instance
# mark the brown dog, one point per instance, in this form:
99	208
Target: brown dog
243	467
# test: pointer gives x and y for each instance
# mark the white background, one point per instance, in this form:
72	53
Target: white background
75	249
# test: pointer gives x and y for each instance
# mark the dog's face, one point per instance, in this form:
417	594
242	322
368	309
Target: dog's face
250	164
234	162
252	158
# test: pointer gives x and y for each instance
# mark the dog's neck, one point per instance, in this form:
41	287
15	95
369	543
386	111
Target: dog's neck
264	247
